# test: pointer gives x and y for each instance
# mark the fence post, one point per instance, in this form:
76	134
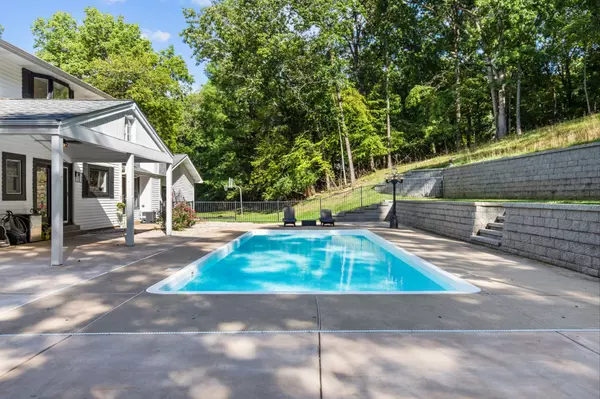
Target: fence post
278	219
320	205
361	197
235	211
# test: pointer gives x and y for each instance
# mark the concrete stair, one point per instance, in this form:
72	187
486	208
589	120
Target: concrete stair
370	213
491	235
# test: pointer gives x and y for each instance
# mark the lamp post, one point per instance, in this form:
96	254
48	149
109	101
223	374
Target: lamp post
394	178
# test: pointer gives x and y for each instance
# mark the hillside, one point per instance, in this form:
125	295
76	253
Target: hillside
560	135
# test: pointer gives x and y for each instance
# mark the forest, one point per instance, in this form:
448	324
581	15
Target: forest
307	95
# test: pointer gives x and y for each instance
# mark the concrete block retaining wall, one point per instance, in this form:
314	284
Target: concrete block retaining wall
453	219
568	173
563	235
420	183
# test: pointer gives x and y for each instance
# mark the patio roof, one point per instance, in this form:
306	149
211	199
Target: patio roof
68	119
85	131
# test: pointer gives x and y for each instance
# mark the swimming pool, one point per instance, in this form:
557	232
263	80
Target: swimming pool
309	262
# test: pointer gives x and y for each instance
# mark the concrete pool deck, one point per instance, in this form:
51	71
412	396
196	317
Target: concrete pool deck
116	340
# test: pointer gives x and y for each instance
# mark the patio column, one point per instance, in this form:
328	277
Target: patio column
129	201
169	200
56	187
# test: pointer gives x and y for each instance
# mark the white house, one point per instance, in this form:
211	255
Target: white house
63	145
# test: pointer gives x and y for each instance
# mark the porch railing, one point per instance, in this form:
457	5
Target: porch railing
272	211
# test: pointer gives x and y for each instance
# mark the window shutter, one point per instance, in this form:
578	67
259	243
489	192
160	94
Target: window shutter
111	182
85	188
26	84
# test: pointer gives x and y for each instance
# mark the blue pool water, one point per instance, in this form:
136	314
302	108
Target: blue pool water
305	261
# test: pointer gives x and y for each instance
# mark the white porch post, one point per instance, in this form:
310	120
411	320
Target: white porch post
169	199
129	205
56	250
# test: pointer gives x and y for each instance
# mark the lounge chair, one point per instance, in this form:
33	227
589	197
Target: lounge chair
326	217
289	216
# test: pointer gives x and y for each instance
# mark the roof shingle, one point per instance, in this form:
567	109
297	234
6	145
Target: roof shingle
54	110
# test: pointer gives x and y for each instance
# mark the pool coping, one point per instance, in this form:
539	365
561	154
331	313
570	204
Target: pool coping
430	270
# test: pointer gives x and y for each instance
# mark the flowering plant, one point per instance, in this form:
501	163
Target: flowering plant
183	216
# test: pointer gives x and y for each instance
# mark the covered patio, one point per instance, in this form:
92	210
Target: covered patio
79	132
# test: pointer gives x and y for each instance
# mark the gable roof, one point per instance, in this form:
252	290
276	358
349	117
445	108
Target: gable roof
32	59
184	159
53	110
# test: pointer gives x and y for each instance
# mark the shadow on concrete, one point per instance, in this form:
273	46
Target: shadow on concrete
517	293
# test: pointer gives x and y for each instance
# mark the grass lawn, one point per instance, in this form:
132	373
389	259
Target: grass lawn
560	135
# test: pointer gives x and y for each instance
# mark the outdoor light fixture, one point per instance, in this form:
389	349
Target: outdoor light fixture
394	178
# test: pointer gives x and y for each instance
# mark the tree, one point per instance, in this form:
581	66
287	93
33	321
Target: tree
297	87
113	56
1	31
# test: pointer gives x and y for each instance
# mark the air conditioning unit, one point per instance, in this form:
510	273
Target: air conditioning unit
149	217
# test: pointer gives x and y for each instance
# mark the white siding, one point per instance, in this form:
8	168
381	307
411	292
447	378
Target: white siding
88	213
96	213
10	79
112	126
149	189
142	137
31	149
182	184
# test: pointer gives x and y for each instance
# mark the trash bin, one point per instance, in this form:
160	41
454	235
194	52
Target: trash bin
34	232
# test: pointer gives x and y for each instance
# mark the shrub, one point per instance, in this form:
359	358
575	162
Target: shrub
183	216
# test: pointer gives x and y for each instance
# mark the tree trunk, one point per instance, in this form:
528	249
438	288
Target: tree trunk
569	83
501	120
327	182
471	134
342	152
518	102
345	134
490	71
387	109
508	116
587	98
372	163
456	30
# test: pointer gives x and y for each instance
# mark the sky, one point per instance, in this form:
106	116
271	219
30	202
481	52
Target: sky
160	20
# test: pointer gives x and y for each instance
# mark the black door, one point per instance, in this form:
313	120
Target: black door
42	192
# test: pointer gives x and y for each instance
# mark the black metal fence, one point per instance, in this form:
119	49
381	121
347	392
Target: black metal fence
272	211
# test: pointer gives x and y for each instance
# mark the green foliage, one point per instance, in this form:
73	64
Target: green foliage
278	67
1	31
300	89
183	216
112	55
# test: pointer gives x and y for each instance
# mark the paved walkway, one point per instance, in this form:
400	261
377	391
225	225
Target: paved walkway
110	339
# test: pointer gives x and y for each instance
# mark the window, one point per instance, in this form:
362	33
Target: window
98	181
41	88
13	177
128	128
60	91
36	85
